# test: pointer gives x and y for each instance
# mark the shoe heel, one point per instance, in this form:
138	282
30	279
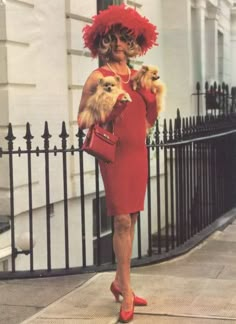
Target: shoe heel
115	292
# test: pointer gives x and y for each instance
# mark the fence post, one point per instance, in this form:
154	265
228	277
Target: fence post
64	135
28	137
80	134
46	136
10	138
198	98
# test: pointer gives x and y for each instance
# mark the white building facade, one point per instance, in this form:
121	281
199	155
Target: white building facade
43	66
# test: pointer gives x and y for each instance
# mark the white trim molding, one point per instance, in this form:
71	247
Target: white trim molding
197	4
5	252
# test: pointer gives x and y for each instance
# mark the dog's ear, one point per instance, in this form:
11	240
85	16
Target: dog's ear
101	81
117	78
144	68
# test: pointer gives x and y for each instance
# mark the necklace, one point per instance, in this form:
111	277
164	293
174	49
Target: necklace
129	73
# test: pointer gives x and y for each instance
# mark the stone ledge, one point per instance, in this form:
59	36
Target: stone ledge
23	3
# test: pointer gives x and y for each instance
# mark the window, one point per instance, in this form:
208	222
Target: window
103	4
5	265
220	57
4	224
102	246
105	222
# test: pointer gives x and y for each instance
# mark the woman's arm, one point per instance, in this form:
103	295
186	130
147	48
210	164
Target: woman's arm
89	89
151	106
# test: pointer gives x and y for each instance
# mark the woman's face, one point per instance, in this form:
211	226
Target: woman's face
119	46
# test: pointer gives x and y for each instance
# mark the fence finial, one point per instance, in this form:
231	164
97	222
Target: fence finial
10	137
64	133
28	136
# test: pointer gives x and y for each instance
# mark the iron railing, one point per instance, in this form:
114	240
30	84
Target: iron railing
191	183
218	99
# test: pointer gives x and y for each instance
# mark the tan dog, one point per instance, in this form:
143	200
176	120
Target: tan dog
101	103
147	78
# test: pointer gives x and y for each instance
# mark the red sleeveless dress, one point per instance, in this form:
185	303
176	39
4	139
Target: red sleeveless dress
125	180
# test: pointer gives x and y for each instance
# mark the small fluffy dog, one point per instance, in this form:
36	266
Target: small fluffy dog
100	104
147	78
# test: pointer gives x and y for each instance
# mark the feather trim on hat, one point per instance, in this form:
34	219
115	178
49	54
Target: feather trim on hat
140	27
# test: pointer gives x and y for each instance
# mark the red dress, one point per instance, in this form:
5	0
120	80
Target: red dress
125	180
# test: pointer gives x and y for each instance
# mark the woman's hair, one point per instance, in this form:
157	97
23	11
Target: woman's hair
104	43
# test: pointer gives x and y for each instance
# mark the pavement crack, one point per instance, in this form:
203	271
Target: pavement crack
194	316
220	271
15	305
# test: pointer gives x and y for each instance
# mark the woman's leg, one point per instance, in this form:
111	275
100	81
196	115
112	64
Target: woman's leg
122	244
132	230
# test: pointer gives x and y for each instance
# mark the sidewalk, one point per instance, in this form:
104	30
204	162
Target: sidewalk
199	287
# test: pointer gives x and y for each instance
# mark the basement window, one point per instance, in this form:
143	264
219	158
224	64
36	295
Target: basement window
4	223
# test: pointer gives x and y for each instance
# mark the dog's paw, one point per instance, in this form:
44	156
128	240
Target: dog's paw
124	97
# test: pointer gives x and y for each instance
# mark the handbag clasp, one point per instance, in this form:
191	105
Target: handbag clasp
106	136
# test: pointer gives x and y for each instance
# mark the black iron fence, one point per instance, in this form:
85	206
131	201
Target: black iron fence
191	183
216	99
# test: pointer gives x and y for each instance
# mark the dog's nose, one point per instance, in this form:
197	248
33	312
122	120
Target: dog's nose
154	78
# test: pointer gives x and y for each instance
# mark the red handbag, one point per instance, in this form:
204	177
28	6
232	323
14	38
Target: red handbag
100	143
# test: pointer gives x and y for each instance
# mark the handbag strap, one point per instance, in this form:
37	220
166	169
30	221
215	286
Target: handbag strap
108	126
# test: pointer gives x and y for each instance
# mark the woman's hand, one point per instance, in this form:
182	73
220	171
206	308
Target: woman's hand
118	108
147	95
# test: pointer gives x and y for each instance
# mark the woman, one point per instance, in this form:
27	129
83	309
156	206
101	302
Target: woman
116	34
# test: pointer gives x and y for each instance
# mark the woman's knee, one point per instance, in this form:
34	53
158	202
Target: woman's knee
122	223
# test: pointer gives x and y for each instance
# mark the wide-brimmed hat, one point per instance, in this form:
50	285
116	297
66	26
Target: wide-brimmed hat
139	27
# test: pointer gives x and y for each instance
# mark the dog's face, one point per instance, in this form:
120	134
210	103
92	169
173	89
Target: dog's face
150	72
110	83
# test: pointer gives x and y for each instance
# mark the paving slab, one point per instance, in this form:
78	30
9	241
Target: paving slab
220	246
230	229
143	319
201	257
16	314
70	281
166	295
21	295
75	321
139	319
20	299
230	237
228	272
183	270
89	303
192	297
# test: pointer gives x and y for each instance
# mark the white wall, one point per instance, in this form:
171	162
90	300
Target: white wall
233	46
177	56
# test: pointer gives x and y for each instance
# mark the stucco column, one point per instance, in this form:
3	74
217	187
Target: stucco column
211	44
198	34
233	45
176	47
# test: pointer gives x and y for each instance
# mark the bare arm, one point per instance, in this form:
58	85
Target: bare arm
88	90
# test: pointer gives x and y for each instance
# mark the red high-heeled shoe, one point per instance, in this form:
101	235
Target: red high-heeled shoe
138	301
126	316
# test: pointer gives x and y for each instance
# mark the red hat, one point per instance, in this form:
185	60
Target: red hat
141	29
